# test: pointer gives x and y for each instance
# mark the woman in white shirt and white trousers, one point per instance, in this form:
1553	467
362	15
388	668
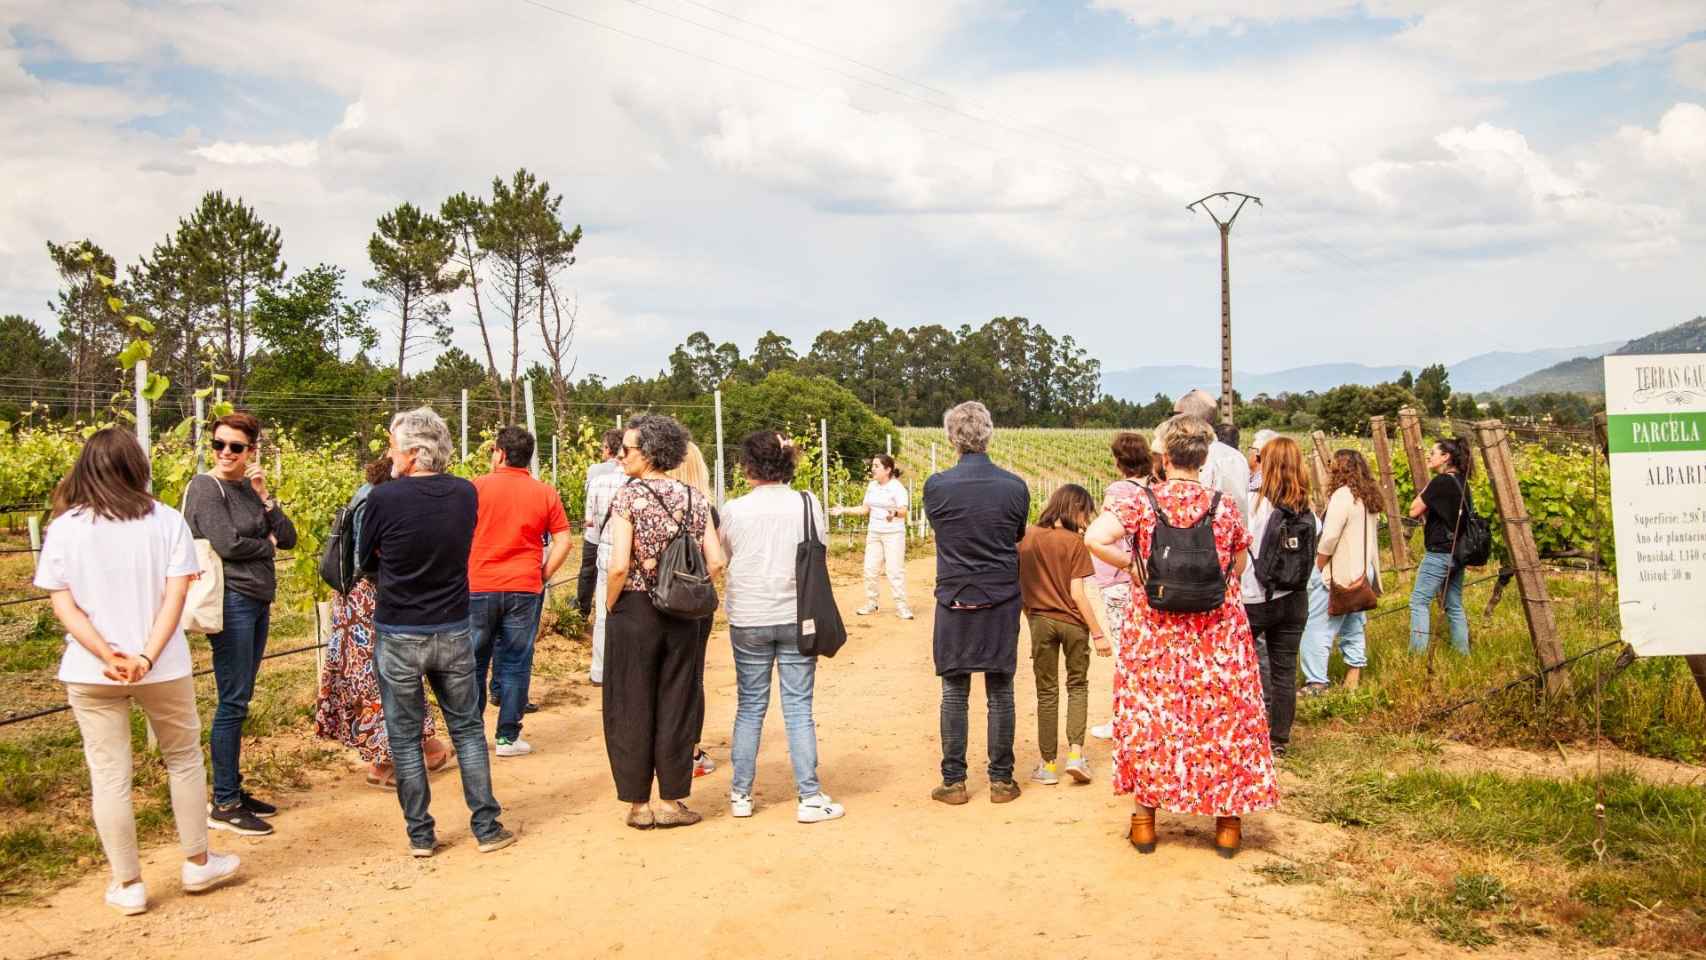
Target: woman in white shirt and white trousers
885	503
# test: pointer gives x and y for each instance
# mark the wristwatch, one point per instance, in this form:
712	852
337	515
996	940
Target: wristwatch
270	503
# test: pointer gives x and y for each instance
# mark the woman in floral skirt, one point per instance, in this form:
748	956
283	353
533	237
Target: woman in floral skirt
1190	731
349	710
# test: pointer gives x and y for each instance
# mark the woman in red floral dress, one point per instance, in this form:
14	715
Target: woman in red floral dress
1190	731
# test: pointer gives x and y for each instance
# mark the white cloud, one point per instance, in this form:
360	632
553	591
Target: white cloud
1688	65
1198	16
297	153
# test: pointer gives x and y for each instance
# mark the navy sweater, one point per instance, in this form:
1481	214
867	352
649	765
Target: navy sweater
415	535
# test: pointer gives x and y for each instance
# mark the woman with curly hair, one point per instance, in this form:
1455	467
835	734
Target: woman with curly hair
652	699
349	710
1349	548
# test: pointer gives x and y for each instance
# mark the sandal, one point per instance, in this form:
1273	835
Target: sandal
386	782
642	819
675	814
444	759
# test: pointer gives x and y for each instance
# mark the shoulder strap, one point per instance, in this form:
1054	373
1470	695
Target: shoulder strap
1160	515
1208	515
810	520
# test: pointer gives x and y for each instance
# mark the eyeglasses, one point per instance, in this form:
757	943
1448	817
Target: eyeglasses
626	448
235	446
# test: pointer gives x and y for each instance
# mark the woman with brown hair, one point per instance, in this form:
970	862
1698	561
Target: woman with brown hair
1053	565
1190	733
349	708
1137	466
117	565
1280	519
885	503
1349	550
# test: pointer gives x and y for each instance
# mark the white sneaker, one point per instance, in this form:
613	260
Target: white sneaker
740	804
818	809
867	609
905	613
1103	731
219	868
130	899
514	748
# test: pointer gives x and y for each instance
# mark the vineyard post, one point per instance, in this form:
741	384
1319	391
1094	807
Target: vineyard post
717	397
1410	434
527	389
823	453
464	424
1525	556
35	540
277	461
1318	464
1389	493
888	444
932	458
200	417
144	429
553	459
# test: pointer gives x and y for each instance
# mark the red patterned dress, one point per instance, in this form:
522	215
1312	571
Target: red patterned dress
349	710
1190	731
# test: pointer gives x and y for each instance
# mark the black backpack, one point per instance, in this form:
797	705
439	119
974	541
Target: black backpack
337	557
1287	554
684	589
821	631
1183	573
1472	540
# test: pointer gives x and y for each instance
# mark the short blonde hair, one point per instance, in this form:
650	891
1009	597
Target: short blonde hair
693	472
1186	440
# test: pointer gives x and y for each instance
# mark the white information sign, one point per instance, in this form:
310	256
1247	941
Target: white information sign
1656	430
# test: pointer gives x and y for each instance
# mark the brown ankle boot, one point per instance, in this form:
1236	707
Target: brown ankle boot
1143	830
1227	834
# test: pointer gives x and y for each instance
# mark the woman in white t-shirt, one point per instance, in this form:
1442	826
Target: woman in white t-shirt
885	542
117	565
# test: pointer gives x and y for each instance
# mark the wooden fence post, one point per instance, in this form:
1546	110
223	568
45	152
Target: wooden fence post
1318	466
1395	531
1525	556
1410	434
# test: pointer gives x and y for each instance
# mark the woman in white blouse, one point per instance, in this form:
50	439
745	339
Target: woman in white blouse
761	532
118	565
1349	548
885	543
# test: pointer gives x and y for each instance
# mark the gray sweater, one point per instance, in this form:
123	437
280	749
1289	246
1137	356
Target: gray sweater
237	525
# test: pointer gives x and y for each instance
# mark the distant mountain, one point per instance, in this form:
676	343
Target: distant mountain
1585	373
1477	374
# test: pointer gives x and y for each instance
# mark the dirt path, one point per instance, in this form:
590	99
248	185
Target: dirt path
900	876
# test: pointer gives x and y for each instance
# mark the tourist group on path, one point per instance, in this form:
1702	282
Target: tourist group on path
1215	577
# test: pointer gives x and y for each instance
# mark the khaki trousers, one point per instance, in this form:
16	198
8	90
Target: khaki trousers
886	553
1050	639
103	715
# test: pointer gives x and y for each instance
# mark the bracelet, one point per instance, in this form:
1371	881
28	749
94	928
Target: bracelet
147	658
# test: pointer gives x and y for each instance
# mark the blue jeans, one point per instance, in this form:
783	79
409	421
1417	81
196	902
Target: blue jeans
956	707
755	649
1436	571
237	654
502	627
404	657
1322	630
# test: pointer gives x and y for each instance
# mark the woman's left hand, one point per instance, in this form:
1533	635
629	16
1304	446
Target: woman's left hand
257	479
1103	649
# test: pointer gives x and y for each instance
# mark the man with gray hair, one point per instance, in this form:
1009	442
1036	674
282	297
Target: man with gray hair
1226	469
415	538
977	512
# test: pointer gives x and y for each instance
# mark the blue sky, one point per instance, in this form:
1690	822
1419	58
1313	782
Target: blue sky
1441	177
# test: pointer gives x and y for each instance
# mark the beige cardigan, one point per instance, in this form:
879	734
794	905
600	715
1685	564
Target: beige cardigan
1346	518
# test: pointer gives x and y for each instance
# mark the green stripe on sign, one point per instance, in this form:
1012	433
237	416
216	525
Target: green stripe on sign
1656	432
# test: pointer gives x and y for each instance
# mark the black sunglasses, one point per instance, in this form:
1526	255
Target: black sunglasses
235	446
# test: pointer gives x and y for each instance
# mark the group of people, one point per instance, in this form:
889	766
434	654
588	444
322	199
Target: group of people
1205	633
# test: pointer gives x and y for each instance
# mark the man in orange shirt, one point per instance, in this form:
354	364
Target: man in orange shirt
506	578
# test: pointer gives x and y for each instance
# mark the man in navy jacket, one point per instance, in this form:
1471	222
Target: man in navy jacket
977	512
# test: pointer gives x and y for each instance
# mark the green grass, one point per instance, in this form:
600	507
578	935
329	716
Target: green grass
38	648
1390	791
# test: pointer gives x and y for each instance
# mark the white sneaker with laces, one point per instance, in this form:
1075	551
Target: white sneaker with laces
905	613
514	748
129	899
740	804
818	809
219	868
1103	731
867	609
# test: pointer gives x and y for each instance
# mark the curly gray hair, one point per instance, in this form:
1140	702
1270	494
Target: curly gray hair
662	440
969	427
425	433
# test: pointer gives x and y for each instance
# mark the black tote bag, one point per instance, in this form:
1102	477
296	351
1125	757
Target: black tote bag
821	631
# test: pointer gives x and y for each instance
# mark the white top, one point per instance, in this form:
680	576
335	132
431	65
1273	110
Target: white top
761	532
116	571
1228	472
888	503
602	482
1249	587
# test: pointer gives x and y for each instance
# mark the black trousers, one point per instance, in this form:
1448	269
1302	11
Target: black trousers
1278	627
586	583
653	704
704	642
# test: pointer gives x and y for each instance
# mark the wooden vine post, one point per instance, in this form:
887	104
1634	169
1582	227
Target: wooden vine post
1525	556
1395	531
1318	466
1410	434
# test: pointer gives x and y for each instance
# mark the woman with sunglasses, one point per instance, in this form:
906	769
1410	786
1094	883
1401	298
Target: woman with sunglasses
231	508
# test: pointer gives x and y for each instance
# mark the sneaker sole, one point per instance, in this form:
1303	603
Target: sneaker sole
508	756
207	885
127	911
253	813
1082	776
213	824
421	853
825	818
492	846
1046	783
